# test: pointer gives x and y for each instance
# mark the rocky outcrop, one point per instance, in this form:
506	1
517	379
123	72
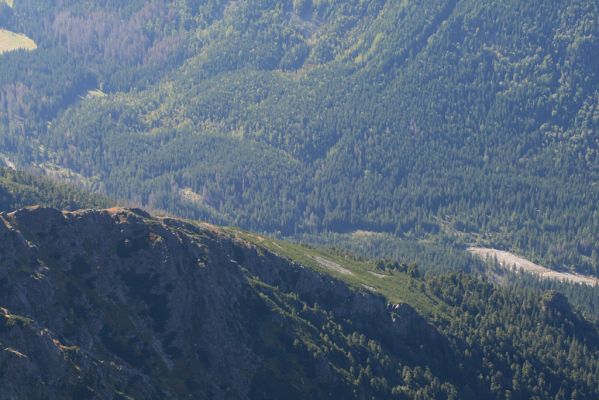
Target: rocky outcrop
102	304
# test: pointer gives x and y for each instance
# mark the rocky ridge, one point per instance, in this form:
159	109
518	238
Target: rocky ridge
114	303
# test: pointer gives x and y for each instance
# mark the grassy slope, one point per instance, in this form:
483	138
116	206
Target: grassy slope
395	287
10	41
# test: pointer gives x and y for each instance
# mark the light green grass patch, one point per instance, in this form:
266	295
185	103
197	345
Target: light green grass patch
11	41
396	287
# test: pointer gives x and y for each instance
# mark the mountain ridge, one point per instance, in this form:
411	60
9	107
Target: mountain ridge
22	227
119	303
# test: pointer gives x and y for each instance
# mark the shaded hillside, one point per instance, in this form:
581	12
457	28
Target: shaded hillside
306	116
19	189
116	303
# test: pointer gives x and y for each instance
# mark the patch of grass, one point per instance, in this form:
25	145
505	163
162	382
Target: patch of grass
396	287
10	41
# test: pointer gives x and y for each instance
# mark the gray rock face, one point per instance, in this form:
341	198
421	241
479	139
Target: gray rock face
103	304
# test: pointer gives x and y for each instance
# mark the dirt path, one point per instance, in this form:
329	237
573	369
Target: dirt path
511	261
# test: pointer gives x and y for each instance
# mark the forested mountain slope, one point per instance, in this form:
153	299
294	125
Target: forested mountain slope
18	189
302	116
116	304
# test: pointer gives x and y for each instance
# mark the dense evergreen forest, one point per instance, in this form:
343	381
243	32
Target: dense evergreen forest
18	189
462	120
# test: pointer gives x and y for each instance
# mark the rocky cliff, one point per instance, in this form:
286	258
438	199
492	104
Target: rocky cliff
116	303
